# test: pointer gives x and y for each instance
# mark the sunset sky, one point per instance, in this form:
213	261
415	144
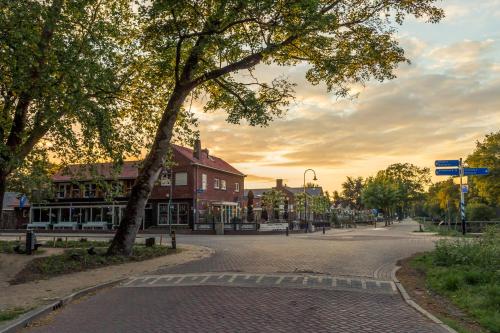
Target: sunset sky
436	108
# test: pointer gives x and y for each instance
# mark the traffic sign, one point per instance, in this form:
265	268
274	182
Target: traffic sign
475	171
447	172
200	190
447	163
465	188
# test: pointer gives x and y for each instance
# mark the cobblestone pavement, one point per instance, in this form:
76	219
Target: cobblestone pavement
236	309
337	282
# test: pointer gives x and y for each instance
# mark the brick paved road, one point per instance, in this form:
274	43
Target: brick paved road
236	309
314	282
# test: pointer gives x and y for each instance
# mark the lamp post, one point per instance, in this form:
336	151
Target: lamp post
305	196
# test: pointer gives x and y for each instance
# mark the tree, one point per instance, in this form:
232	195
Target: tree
271	201
487	154
380	193
443	199
352	189
63	65
411	181
212	48
250	213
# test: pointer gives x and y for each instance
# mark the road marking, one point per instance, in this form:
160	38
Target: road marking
170	278
247	277
304	282
334	282
320	279
220	277
348	282
231	280
194	278
363	284
279	280
130	281
259	279
205	279
154	281
295	278
178	281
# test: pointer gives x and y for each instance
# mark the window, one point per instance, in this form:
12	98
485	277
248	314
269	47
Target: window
75	191
63	190
222	184
179	213
217	183
90	190
204	181
181	178
236	187
165	178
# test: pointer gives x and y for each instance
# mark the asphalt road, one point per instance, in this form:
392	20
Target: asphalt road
337	282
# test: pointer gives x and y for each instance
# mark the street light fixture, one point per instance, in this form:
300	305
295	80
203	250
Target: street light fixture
305	196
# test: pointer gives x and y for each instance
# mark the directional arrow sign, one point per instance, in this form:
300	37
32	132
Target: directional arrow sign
447	172
475	171
446	163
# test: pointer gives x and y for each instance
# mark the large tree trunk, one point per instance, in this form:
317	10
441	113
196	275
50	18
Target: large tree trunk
3	187
124	239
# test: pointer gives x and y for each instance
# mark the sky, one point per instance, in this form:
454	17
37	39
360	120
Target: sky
436	108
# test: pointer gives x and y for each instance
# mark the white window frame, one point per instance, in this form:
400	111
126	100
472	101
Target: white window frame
236	187
91	188
217	183
204	181
181	181
223	185
174	218
62	186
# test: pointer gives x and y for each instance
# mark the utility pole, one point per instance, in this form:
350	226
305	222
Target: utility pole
462	197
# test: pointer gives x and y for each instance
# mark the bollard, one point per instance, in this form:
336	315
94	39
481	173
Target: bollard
29	242
161	238
287	231
66	242
323	230
174	243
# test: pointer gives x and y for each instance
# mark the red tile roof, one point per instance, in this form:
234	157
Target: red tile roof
130	169
207	160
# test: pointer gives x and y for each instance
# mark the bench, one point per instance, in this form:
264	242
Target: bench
95	225
273	226
65	225
38	225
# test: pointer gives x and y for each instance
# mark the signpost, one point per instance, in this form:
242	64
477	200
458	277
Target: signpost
459	171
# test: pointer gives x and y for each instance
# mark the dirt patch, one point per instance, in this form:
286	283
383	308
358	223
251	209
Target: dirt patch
413	280
36	293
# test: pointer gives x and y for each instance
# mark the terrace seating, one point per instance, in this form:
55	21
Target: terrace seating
66	225
38	225
95	225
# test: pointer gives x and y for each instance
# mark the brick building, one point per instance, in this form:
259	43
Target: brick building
198	187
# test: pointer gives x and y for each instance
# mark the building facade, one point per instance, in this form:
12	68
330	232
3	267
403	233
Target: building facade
198	187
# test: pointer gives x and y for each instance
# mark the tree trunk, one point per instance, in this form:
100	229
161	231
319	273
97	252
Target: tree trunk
3	187
134	212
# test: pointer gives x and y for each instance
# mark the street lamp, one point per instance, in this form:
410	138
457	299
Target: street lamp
305	196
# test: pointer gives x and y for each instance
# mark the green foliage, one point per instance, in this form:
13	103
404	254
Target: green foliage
352	190
77	259
467	271
479	212
380	193
443	200
271	200
12	313
487	154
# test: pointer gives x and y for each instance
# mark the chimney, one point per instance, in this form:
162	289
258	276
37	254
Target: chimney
279	183
205	150
197	149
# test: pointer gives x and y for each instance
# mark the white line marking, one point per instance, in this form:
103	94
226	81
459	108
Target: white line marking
334	282
231	280
363	284
295	278
194	278
377	283
305	280
247	277
320	279
205	279
129	282
221	276
153	281
169	278
178	281
393	286
348	281
259	279
279	280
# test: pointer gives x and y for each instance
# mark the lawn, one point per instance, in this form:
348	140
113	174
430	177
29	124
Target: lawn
9	314
467	272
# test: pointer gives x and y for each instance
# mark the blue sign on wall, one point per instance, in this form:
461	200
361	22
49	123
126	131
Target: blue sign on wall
447	163
447	172
475	171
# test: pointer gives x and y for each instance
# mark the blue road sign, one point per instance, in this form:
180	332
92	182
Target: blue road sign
447	163
447	172
22	201
200	190
475	171
465	188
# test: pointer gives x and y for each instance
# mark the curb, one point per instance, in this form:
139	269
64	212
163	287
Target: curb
414	305
29	317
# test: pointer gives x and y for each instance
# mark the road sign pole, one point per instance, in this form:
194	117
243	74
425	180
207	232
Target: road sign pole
462	198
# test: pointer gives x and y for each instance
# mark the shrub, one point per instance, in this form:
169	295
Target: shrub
476	211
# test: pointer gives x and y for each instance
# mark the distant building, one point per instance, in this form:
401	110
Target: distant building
15	211
94	196
290	205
